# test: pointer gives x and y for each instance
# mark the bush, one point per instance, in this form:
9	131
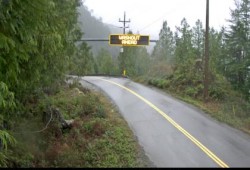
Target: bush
194	91
219	88
217	93
191	91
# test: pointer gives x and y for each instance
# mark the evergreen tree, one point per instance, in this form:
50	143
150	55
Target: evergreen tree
238	42
105	62
36	46
82	62
198	39
187	75
164	48
184	52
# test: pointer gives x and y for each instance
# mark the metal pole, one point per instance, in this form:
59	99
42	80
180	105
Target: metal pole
206	68
124	22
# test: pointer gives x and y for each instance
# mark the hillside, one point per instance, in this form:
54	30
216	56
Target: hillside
95	28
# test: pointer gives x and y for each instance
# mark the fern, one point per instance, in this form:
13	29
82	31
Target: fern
6	139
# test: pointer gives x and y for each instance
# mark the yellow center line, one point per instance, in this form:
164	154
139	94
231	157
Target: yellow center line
176	125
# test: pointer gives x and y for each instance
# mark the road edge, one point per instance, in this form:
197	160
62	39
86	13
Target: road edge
143	158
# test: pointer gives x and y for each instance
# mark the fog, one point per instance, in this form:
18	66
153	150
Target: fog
147	16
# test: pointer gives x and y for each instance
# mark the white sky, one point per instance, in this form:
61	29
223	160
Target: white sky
147	16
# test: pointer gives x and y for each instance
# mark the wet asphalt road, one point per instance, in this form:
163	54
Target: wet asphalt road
172	133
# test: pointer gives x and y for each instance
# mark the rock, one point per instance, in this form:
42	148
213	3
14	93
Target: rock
69	122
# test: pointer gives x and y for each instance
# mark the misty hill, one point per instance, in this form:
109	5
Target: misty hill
95	28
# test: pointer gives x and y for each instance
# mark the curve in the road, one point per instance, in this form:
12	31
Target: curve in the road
176	125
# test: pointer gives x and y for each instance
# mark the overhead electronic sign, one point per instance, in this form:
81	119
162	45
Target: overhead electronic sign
128	39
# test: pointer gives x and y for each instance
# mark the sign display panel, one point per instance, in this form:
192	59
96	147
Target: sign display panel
128	39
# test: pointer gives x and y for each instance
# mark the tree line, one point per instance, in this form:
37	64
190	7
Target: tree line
183	51
177	60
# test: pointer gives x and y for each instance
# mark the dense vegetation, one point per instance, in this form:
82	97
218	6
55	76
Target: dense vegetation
34	42
178	66
178	57
98	137
37	49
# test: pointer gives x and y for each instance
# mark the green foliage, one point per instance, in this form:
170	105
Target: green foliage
184	52
181	70
36	43
3	162
164	48
228	66
198	39
161	83
6	98
184	73
82	62
105	63
135	60
36	47
5	140
192	91
220	88
237	41
6	105
99	137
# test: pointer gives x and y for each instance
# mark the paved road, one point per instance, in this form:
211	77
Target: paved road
172	133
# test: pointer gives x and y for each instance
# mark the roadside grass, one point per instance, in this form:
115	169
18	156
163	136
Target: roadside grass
232	110
99	136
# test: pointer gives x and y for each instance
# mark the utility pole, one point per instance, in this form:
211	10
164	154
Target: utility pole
206	66
124	31
124	23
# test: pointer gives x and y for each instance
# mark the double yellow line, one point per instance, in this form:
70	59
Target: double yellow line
176	125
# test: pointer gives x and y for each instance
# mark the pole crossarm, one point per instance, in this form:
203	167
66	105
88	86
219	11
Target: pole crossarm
124	23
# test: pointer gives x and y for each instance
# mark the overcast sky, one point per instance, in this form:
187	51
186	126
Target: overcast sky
147	16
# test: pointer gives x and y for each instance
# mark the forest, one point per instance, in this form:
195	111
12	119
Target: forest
39	46
178	57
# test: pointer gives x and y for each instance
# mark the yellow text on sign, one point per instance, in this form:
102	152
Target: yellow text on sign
129	39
